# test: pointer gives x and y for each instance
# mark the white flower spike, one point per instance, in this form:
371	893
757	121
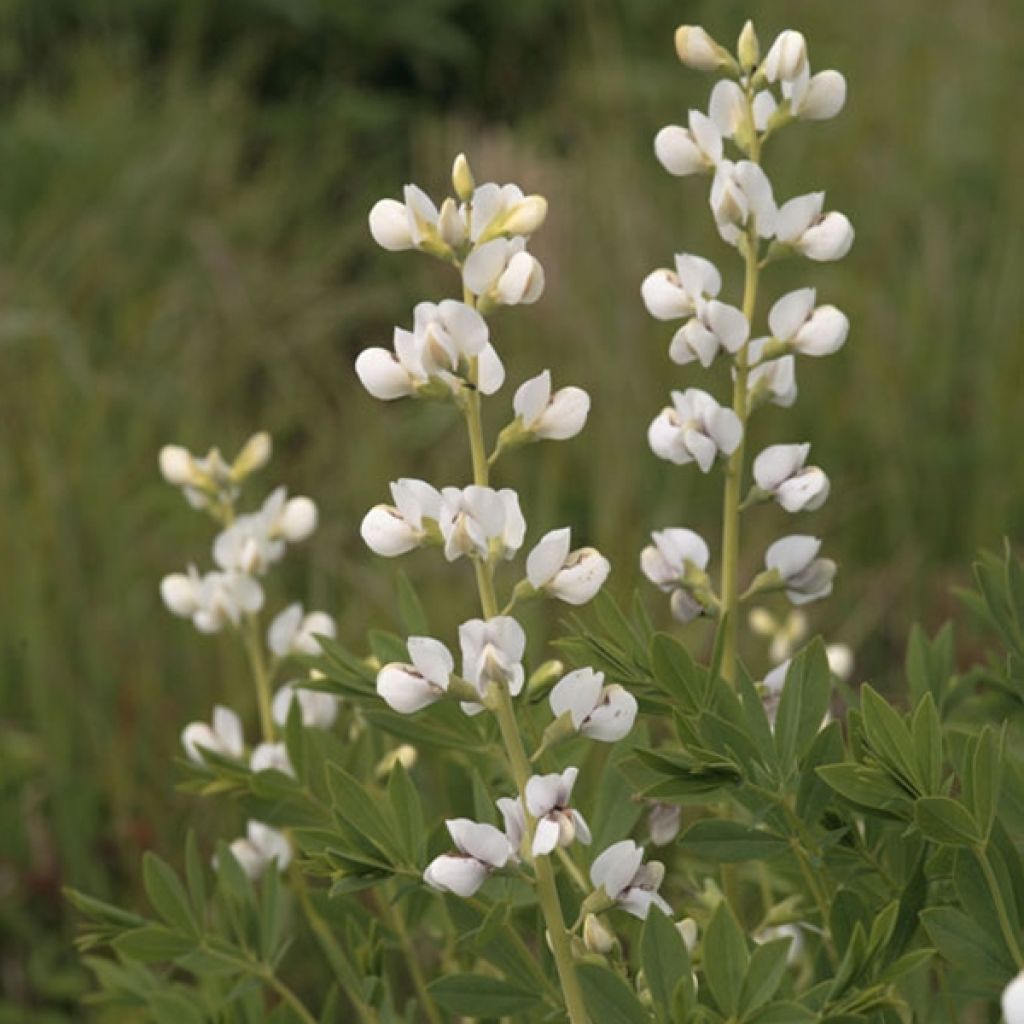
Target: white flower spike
224	736
806	577
627	881
572	576
780	471
547	800
407	688
694	429
599	712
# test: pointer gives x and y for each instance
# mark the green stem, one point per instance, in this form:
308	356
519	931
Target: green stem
1006	927
260	675
265	973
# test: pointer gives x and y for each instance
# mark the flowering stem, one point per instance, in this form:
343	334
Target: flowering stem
260	675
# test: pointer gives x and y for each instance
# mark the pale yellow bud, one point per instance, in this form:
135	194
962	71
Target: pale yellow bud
596	937
525	217
544	676
748	49
462	178
255	454
177	466
762	622
697	50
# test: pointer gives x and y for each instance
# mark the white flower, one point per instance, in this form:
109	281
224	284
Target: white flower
1012	1001
515	823
666	561
261	847
810	330
211	601
503	272
408	688
385	376
793	932
599	712
389	225
779	470
482	849
673	294
504	210
840	660
688	931
318	710
620	871
663	822
785	635
293	632
555	417
806	577
692	150
728	109
271	757
446	334
764	106
741	192
819	236
572	576
597	937
178	466
492	652
815	97
716	325
225	737
694	429
254	542
786	58
472	518
392	530
547	800
697	50
772	378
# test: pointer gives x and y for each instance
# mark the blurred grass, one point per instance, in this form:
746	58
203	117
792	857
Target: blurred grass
183	256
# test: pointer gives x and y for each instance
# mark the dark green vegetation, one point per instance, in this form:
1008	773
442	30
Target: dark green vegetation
184	257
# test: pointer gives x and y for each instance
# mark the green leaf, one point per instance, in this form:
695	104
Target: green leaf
926	730
804	701
783	1013
943	820
889	737
102	913
764	975
408	812
153	943
725	959
474	995
866	787
984	779
726	842
609	999
363	812
813	794
666	963
674	672
195	875
967	945
929	664
167	894
975	896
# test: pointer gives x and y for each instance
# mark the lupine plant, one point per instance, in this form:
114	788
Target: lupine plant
457	837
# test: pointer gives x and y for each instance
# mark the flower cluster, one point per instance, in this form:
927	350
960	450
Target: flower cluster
759	96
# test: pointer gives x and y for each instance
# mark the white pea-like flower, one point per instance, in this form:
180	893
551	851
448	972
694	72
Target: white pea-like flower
695	428
555	417
392	530
292	631
818	236
771	379
781	470
1012	1001
177	466
385	375
697	50
599	712
693	150
673	294
806	577
267	757
666	562
727	109
763	108
741	192
501	271
558	824
259	848
447	333
318	710
572	576
714	326
808	329
786	58
664	822
504	210
473	518
407	688
815	97
630	883
492	652
213	601
481	849
224	736
840	660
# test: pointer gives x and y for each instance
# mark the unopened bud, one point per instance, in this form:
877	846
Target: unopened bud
697	50
525	217
544	676
596	937
687	928
177	465
462	178
450	224
748	49
255	454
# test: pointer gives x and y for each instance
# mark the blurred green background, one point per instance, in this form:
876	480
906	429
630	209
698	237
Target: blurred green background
184	257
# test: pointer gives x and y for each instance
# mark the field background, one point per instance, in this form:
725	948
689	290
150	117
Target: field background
184	256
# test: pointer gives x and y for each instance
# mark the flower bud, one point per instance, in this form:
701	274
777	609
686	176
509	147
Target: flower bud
450	224
387	533
462	178
596	937
389	225
525	217
543	677
663	823
786	58
748	49
177	466
697	50
298	519
179	594
255	454
840	660
687	928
